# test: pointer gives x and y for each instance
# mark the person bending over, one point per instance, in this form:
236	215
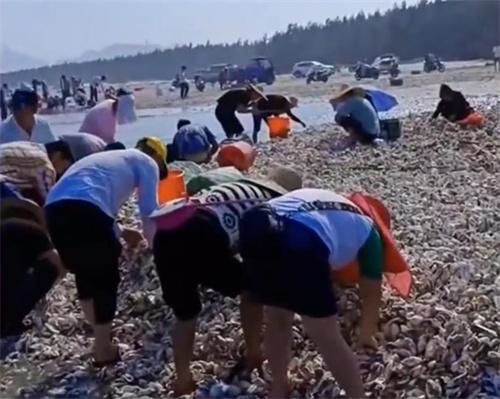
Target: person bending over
452	105
290	246
275	105
200	249
192	143
81	213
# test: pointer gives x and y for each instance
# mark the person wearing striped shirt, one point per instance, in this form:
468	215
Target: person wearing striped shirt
200	249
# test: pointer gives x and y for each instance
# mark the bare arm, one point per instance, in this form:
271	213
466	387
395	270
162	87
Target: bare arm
295	118
370	292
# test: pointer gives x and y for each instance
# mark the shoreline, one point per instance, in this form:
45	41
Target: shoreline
440	185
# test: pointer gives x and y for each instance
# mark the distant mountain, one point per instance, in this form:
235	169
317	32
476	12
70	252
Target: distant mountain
11	60
116	50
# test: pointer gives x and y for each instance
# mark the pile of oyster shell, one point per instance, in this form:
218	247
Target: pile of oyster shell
442	186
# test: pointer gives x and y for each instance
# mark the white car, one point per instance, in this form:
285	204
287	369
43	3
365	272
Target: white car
302	68
385	62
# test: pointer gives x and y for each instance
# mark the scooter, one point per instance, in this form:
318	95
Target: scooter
366	71
433	65
318	75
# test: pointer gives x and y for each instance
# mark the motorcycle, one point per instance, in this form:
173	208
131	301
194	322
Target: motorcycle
199	84
433	65
318	75
366	71
394	71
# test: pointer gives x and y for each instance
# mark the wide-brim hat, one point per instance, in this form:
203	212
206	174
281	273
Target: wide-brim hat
344	89
256	90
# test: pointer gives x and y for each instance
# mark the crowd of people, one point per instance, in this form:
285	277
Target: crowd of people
276	245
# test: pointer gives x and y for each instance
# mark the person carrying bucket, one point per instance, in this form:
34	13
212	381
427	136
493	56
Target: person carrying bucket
81	211
356	114
236	100
455	108
274	105
290	247
196	243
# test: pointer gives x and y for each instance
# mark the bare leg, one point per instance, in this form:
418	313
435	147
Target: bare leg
104	350
183	343
278	342
251	322
88	310
325	332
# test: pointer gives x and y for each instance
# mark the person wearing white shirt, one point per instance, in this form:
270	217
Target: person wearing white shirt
24	124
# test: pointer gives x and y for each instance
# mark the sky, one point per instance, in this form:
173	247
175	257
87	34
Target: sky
54	30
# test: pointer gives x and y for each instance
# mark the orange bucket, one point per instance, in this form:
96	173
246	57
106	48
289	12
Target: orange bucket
172	187
279	126
241	155
396	269
474	119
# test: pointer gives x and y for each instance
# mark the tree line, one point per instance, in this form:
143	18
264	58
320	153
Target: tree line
457	30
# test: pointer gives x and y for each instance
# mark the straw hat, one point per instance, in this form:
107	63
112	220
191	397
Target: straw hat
257	91
344	89
280	180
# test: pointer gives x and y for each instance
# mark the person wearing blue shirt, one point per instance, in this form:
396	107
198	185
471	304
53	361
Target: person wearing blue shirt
356	114
192	143
24	124
81	210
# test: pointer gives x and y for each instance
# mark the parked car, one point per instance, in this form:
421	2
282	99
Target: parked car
302	68
211	74
259	70
386	63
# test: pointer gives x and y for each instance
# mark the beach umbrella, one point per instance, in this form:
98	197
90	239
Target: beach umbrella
381	100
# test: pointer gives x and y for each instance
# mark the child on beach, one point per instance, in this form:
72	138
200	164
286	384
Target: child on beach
81	213
200	249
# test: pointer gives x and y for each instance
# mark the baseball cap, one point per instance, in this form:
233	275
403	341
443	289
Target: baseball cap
152	145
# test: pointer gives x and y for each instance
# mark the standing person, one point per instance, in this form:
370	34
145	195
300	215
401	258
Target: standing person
290	247
201	251
45	91
29	263
90	195
223	78
275	105
452	105
192	143
65	89
496	58
236	100
356	114
183	83
4	91
24	124
95	84
102	119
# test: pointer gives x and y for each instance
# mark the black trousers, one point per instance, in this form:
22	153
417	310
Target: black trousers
257	123
184	86
24	278
86	241
93	93
349	123
228	120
